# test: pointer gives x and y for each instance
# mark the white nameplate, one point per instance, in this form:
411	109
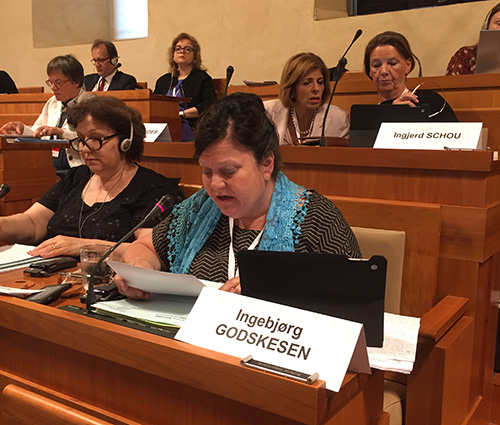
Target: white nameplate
157	132
429	135
273	333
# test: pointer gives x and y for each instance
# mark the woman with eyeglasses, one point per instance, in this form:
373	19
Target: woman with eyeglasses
101	200
187	78
388	60
65	80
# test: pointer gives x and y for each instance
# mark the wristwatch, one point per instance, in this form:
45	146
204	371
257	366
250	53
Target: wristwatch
182	114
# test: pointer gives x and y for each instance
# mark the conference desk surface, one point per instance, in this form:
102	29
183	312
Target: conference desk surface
121	375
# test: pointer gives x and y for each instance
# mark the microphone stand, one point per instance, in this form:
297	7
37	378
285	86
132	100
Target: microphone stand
165	202
339	71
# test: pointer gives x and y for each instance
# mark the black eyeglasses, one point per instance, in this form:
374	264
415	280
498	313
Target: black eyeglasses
187	49
93	143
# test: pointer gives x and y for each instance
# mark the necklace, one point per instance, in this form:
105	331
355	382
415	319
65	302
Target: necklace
302	133
80	223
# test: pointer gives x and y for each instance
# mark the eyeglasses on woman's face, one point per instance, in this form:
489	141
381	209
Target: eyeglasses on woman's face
57	84
92	143
185	49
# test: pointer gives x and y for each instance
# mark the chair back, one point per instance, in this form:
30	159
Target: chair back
391	245
219	86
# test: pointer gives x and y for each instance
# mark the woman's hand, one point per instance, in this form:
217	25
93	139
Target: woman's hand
128	291
46	130
59	245
407	98
232	285
12	127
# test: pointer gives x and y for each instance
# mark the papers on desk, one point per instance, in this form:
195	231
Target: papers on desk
17	292
16	256
168	311
158	282
400	344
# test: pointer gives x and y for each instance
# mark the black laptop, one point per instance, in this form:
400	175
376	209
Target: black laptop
366	120
330	284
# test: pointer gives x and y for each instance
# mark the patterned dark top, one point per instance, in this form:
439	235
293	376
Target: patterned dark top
116	217
324	230
463	61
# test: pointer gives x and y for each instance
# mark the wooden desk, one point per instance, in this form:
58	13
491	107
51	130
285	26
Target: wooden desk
154	108
28	170
447	202
124	376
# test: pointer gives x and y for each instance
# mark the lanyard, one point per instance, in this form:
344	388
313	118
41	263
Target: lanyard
231	268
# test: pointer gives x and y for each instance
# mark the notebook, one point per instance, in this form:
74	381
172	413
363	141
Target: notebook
366	120
330	284
488	52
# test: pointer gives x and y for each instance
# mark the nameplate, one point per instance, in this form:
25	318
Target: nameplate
284	336
427	135
157	132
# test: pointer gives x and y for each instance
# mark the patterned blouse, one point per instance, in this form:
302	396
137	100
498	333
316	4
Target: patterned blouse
463	61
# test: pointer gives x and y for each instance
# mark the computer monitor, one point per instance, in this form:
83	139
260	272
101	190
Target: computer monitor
366	120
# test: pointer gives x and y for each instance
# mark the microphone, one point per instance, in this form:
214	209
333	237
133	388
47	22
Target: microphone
164	203
4	190
334	72
229	74
338	74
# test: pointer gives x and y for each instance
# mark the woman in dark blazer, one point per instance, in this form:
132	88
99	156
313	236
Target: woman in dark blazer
187	78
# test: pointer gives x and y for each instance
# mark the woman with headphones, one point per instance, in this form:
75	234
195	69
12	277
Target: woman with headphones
101	200
464	59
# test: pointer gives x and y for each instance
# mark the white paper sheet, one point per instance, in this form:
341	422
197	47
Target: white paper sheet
160	282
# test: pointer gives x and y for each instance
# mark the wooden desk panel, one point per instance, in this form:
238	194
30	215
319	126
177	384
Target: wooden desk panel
153	380
153	108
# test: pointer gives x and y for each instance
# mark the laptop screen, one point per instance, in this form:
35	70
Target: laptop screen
488	57
330	284
366	120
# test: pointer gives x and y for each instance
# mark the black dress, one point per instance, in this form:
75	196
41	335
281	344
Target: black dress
115	218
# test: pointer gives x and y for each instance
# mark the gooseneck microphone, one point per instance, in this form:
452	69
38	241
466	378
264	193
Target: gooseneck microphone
4	190
229	74
339	71
164	203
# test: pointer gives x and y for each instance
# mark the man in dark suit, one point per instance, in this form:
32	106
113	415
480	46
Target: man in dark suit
105	59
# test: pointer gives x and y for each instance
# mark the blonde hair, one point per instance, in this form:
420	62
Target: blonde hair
295	69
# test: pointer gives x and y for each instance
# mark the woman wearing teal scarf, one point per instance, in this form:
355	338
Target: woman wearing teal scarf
246	203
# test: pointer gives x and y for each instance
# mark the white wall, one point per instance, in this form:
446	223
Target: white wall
256	37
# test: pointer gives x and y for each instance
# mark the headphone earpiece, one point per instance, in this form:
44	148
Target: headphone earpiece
126	144
113	61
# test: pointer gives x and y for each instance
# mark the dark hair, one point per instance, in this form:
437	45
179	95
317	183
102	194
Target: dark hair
117	115
295	69
110	47
242	118
69	66
490	15
389	38
196	54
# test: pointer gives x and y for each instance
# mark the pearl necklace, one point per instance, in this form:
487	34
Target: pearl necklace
302	133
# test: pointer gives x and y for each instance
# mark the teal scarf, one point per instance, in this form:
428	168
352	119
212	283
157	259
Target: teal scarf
195	220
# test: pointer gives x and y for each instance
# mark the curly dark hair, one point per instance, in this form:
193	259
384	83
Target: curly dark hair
117	115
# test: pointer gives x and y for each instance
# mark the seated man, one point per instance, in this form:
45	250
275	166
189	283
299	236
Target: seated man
105	59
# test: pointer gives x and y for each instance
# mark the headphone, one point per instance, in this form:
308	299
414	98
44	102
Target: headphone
126	143
113	61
